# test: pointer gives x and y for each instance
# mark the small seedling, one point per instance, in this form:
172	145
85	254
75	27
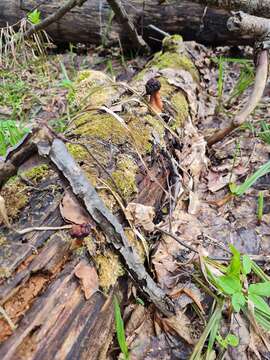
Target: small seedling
34	17
120	330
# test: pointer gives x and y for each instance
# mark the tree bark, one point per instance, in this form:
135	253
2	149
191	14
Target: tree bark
91	22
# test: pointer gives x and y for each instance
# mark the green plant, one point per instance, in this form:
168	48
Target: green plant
260	206
231	284
120	329
239	190
34	17
10	134
264	134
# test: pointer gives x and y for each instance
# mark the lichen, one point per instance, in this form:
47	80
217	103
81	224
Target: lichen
109	269
125	176
180	104
15	196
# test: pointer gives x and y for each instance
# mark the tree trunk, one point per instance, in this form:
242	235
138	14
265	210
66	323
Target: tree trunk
92	22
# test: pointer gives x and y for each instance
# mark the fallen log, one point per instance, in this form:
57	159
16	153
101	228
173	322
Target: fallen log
92	23
119	140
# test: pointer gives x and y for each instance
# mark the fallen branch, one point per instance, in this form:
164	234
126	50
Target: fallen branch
108	223
54	17
245	23
127	25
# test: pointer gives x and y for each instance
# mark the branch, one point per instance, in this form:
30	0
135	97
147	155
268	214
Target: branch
127	24
54	17
261	29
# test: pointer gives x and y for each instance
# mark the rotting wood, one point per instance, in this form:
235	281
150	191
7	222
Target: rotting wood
108	223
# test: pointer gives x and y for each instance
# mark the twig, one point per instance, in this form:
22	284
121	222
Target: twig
177	239
127	24
54	17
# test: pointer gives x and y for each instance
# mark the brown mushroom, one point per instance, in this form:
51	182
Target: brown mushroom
152	88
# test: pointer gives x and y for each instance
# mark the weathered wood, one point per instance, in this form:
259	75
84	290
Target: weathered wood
60	323
91	22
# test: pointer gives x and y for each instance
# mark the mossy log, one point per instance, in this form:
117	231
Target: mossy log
118	141
92	23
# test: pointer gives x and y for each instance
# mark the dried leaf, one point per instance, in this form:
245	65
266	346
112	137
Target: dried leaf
89	278
141	215
72	211
179	324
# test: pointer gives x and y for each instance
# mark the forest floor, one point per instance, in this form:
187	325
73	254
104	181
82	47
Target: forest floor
42	89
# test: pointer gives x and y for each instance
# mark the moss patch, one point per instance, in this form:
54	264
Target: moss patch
77	151
125	176
14	193
92	88
109	269
180	104
37	173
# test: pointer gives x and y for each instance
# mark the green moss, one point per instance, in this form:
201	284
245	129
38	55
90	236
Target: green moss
172	43
37	173
180	104
4	273
109	269
174	60
92	88
14	194
77	151
125	176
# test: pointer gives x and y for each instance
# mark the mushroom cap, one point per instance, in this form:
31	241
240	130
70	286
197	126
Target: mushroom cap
152	86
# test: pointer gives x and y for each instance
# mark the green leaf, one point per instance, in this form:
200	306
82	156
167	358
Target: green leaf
238	301
262	289
229	284
232	340
241	189
247	262
259	303
235	264
120	329
34	17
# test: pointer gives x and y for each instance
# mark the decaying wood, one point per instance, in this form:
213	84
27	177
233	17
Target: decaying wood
108	223
90	23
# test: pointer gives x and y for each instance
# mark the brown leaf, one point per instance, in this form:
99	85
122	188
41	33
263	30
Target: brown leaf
179	324
89	278
142	215
72	211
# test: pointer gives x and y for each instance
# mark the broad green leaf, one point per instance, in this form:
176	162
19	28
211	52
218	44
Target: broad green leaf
232	340
238	300
262	289
229	284
246	261
259	303
235	264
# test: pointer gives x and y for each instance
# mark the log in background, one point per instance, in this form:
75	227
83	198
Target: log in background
91	22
